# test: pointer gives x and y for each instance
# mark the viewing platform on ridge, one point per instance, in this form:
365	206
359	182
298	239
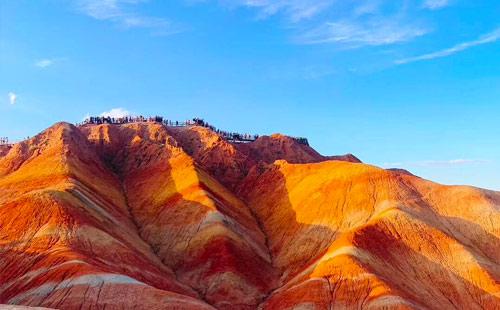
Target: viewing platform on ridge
6	142
232	137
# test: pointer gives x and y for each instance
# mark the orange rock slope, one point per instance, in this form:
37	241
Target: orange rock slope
140	216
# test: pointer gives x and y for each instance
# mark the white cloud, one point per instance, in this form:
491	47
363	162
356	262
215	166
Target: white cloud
12	98
435	4
353	34
116	113
43	63
121	13
295	10
485	39
105	9
349	24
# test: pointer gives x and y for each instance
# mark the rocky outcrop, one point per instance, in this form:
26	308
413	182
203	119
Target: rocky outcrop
280	147
147	217
11	307
401	171
347	157
4	149
212	152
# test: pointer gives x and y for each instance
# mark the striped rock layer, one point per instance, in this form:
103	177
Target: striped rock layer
140	216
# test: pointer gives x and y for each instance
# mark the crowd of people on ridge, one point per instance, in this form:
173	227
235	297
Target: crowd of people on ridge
301	140
231	136
97	120
4	141
226	134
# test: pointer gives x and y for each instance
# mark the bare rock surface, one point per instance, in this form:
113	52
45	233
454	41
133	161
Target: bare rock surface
13	307
140	216
4	149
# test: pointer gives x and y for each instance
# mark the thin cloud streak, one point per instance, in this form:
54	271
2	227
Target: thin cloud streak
453	162
352	25
295	10
485	39
426	163
435	4
355	35
123	16
43	63
46	62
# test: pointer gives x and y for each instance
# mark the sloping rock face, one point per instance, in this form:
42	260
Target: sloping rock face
230	162
401	171
216	155
353	236
67	239
147	217
194	224
4	149
11	307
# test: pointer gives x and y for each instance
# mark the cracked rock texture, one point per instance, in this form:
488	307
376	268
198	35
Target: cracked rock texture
140	216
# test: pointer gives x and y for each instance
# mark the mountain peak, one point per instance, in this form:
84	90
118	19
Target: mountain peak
188	217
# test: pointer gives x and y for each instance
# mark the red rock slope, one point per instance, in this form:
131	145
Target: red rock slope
194	224
67	239
277	146
14	307
4	149
353	236
141	216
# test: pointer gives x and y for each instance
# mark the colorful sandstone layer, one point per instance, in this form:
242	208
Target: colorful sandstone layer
139	216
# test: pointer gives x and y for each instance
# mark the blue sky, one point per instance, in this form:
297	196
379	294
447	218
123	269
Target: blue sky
412	83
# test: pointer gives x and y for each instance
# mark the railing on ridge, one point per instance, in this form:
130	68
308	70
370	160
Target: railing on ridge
230	136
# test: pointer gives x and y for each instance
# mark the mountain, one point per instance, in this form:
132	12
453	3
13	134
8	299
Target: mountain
143	216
